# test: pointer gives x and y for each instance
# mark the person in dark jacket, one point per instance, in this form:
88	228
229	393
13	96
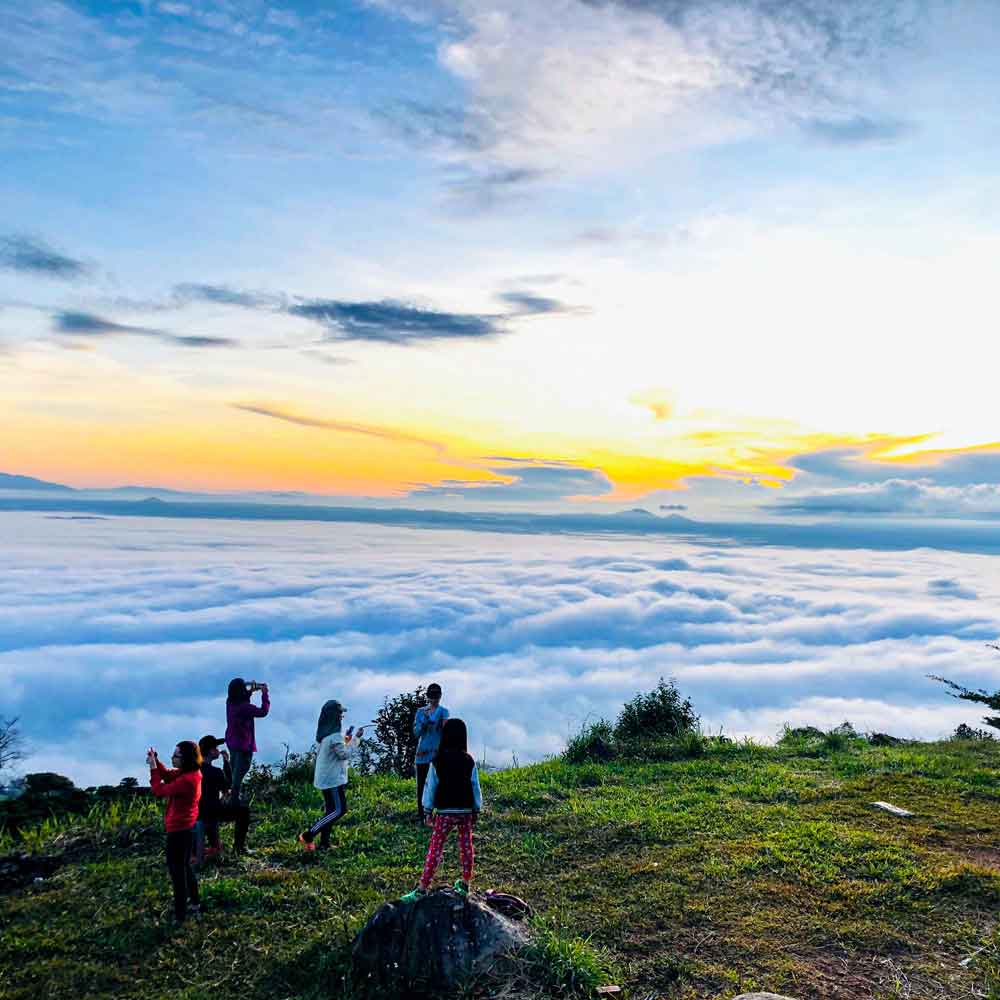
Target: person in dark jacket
181	787
452	793
216	805
240	736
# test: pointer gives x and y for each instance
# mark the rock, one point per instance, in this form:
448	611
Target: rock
432	944
890	808
762	996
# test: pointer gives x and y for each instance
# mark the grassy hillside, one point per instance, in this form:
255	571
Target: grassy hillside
746	868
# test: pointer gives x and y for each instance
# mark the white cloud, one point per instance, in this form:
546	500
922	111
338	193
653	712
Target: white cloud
123	632
566	83
919	498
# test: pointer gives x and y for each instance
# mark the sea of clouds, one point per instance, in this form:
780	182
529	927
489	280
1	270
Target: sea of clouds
117	633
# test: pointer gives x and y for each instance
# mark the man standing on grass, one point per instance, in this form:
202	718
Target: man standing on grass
427	725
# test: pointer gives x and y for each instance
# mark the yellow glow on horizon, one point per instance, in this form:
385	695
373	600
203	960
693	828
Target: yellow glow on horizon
110	425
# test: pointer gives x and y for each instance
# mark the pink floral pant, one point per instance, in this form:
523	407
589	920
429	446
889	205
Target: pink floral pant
443	825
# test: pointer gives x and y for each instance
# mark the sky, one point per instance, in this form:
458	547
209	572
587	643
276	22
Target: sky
401	306
730	256
116	634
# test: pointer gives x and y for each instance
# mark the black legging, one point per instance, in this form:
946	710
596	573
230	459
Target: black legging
179	844
422	770
335	800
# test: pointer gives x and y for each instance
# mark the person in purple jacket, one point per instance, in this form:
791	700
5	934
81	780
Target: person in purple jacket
240	713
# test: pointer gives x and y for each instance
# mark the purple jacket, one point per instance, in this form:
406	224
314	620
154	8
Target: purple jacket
239	723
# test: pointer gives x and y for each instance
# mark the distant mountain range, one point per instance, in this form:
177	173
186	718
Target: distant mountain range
28	484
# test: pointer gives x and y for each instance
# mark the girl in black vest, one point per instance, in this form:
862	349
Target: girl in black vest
452	793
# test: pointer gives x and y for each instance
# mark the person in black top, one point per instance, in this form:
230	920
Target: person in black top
217	805
452	793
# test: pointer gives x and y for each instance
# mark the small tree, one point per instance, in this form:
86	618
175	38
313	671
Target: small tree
979	696
11	744
661	713
389	745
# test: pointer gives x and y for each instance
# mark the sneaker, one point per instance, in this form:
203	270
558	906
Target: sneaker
412	897
306	844
194	910
461	887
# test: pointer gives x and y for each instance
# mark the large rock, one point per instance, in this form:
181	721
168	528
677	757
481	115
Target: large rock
433	944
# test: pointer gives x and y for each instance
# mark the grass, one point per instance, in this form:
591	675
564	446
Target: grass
745	868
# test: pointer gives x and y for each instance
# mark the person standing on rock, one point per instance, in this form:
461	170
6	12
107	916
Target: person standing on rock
240	736
330	774
181	787
452	793
428	723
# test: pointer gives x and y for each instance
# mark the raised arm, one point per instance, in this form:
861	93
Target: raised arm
419	723
164	782
265	704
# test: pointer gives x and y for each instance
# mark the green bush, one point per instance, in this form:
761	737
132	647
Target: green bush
686	746
800	737
658	725
389	745
594	742
562	966
966	732
841	737
660	713
280	782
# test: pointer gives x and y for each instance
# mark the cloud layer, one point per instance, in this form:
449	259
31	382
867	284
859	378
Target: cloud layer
115	633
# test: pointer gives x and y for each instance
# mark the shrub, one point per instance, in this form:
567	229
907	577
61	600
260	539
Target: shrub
280	781
659	725
683	747
965	732
594	742
800	736
841	737
389	745
562	966
883	740
660	713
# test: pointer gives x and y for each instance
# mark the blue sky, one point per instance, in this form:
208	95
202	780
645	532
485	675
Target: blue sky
642	248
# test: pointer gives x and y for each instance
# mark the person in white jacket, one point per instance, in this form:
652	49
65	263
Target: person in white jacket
330	775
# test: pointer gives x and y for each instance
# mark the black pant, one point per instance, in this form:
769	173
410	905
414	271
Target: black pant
422	770
335	800
226	812
181	873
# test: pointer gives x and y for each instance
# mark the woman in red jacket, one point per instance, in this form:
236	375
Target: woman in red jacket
181	787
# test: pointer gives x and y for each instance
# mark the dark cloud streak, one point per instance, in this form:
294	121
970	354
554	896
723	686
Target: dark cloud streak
83	324
392	322
32	256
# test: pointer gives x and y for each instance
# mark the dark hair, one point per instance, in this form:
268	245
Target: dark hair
237	691
454	736
433	690
190	755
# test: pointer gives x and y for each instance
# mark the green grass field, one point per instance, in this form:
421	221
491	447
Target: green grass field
747	868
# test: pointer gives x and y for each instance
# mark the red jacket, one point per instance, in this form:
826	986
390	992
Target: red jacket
182	792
